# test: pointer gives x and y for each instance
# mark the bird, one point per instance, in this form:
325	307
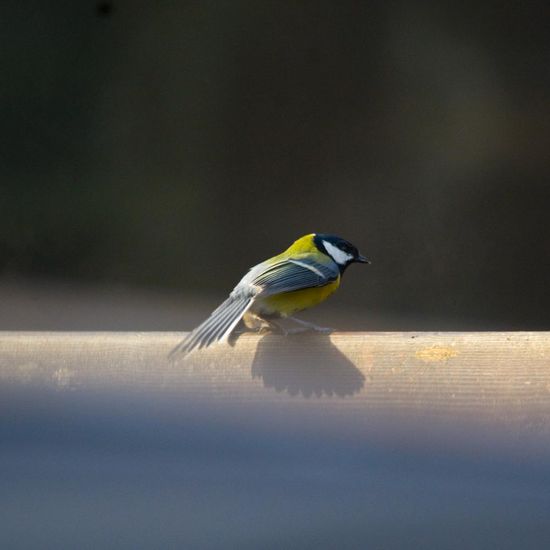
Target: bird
302	276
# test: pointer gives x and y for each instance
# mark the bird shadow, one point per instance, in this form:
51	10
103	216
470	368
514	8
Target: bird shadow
305	364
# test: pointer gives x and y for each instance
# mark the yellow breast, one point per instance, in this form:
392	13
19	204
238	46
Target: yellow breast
288	303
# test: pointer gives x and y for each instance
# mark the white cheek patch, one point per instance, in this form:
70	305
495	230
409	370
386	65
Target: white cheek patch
339	256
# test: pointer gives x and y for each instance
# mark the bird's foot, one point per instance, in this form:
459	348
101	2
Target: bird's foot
273	327
270	327
306	326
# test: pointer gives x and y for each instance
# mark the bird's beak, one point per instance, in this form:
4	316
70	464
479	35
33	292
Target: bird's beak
362	260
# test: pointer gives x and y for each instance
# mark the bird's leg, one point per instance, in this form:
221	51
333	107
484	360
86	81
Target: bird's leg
255	322
310	326
269	325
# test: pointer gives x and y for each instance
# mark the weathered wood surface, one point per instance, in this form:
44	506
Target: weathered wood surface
371	437
485	375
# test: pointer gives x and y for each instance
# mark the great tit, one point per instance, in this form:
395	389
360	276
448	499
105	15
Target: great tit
304	275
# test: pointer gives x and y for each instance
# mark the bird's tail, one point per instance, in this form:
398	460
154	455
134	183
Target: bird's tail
217	327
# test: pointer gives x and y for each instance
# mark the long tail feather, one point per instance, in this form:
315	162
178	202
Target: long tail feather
217	327
213	333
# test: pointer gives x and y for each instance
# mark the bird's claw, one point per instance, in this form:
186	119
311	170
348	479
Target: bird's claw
312	327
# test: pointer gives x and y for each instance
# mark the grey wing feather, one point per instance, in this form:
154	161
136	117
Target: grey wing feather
218	326
292	275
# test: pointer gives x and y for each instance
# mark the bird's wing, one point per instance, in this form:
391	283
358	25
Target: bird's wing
288	275
217	327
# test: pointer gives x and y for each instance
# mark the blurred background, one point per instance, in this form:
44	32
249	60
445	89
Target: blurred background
153	151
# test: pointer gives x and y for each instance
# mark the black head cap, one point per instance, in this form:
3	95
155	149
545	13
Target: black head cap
340	250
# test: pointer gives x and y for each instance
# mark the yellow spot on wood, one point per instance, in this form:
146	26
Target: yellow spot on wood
435	353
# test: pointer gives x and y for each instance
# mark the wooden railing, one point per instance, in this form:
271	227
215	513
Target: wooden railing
495	376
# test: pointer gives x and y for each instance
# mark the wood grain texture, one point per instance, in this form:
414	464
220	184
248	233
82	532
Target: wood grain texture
491	375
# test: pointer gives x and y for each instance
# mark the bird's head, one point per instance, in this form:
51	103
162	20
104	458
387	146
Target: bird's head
340	250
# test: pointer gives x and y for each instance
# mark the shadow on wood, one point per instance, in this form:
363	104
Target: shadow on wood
296	370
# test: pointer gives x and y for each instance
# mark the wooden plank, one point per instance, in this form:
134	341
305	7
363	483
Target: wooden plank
502	376
354	431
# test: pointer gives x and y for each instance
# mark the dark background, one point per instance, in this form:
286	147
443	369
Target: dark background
171	145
